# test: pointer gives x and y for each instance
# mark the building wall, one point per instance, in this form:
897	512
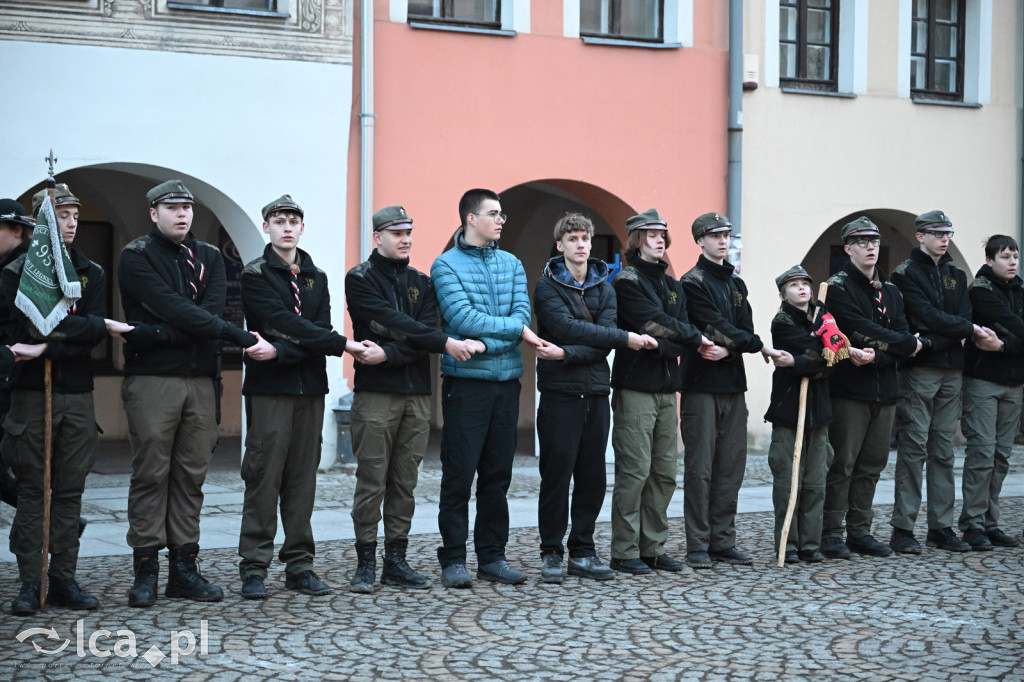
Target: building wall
810	161
644	127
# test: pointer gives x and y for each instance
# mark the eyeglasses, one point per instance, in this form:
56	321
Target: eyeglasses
939	235
865	243
497	217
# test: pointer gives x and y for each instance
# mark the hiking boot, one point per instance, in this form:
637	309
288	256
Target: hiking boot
867	545
945	538
146	563
396	571
307	582
184	581
253	588
631	566
904	542
27	601
979	542
1001	539
663	562
366	569
66	592
698	559
834	548
732	556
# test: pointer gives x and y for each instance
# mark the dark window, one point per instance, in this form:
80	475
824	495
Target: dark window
627	19
470	12
263	5
937	50
808	43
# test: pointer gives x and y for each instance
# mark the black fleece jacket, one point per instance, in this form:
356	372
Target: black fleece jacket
302	341
394	306
793	331
585	336
999	305
938	307
651	302
852	302
716	301
69	346
174	335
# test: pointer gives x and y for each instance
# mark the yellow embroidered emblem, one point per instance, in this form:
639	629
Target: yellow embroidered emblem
949	282
307	284
414	294
737	299
672	297
85	282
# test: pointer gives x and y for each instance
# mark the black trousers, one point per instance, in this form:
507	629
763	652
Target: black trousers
573	434
479	437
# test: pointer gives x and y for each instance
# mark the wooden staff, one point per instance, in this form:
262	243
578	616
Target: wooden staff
51	185
797	449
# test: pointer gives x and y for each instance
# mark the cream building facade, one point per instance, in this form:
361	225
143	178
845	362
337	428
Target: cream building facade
871	136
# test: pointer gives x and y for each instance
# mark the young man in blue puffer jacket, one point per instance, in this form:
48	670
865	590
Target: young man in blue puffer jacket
481	294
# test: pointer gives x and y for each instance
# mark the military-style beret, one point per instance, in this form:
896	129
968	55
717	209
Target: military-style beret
710	223
795	272
391	218
933	221
861	227
11	211
282	203
170	192
61	194
648	220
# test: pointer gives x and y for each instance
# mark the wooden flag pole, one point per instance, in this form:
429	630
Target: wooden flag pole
797	450
51	185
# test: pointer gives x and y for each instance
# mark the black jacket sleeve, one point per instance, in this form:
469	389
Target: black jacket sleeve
863	332
715	325
992	310
276	321
641	312
595	338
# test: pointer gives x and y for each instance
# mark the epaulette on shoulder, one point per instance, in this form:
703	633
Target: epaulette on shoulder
901	269
838	279
628	274
139	243
982	282
782	317
694	275
359	270
255	267
208	244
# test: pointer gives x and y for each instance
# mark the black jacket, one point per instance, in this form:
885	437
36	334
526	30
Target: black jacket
394	306
586	337
716	301
302	341
851	300
938	307
69	346
793	331
173	334
999	305
8	328
651	302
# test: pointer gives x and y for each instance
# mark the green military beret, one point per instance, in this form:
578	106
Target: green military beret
62	197
170	192
795	272
710	223
861	227
282	203
933	221
391	218
648	220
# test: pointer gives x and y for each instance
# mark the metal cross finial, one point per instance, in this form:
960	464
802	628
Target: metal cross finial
51	159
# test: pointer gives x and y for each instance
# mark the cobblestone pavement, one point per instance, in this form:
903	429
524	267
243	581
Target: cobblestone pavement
936	616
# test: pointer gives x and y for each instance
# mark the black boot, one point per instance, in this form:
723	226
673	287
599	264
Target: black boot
184	580
27	603
146	562
396	572
66	592
362	581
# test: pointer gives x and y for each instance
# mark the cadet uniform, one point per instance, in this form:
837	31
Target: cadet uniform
713	416
74	434
393	305
289	305
173	293
870	314
793	330
939	309
644	404
992	403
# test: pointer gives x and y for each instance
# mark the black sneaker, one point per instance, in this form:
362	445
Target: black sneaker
904	542
834	548
979	542
1001	539
307	582
500	571
457	576
867	546
252	587
663	562
945	538
631	566
551	568
590	567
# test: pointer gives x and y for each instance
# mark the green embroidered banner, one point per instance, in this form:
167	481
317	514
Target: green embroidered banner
49	285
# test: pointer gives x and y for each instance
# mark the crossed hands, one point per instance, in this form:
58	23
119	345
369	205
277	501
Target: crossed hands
463	349
27	351
117	329
986	339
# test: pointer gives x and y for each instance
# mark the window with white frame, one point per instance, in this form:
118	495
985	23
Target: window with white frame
259	5
809	43
623	19
937	49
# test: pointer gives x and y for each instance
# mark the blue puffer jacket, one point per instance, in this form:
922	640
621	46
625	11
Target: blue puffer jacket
481	294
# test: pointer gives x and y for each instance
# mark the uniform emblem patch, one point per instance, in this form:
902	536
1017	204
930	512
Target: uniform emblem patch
414	294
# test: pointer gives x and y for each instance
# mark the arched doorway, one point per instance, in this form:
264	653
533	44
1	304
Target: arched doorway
533	208
114	212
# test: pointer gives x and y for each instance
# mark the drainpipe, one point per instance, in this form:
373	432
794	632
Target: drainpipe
366	117
734	186
1020	126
